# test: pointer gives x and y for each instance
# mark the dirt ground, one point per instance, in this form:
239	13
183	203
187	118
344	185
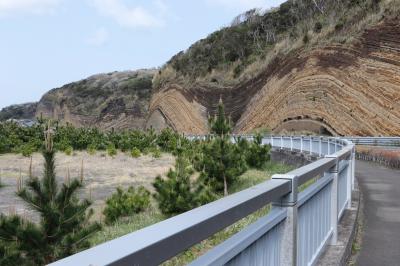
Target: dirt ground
102	174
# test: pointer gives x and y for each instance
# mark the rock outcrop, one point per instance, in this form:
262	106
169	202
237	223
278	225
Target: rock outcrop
337	89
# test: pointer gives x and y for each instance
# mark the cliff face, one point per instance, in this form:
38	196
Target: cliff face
330	67
340	88
115	100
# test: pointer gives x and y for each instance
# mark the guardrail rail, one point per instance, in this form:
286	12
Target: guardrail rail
295	232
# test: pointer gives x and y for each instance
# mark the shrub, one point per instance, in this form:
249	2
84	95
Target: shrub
111	150
177	193
258	154
135	153
340	24
126	202
69	150
156	153
27	150
167	140
317	27
91	149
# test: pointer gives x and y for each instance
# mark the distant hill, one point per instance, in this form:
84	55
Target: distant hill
18	111
115	100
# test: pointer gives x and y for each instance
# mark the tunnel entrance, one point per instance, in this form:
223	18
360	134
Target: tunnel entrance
304	126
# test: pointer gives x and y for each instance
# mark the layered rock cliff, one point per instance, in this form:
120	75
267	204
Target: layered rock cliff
343	79
331	67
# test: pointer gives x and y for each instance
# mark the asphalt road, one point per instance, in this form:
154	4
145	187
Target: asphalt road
380	187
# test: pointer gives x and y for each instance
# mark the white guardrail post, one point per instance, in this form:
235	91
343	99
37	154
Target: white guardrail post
353	166
311	141
336	140
334	199
301	143
288	251
320	146
329	146
291	143
350	173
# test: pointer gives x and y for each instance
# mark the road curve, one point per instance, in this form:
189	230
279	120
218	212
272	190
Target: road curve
380	188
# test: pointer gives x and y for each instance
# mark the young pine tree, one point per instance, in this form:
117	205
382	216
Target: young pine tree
64	225
178	193
258	155
222	160
220	125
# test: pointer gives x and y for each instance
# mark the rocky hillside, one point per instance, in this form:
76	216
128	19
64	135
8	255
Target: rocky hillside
18	111
326	66
115	100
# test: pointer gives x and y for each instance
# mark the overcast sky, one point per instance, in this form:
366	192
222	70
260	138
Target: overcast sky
45	44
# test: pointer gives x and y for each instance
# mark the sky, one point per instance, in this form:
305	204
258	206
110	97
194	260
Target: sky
45	44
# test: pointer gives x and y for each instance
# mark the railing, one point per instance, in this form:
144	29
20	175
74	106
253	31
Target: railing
375	141
294	232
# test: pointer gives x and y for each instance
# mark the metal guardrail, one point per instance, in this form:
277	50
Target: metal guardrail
375	141
294	232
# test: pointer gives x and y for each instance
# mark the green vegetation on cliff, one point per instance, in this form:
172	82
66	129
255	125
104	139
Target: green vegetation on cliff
256	38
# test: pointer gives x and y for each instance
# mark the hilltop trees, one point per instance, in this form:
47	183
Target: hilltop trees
64	225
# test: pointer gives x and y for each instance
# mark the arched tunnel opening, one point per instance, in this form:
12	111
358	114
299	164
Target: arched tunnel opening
304	125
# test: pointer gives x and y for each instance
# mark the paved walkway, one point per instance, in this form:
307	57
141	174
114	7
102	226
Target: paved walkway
380	187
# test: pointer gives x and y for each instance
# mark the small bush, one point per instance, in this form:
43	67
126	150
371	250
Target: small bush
340	25
124	203
318	27
177	193
135	153
27	150
258	155
156	153
111	150
69	150
91	149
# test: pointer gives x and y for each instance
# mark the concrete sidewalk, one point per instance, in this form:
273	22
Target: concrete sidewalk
380	188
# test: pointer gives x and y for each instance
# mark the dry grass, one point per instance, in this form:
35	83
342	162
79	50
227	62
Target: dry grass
102	174
384	156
